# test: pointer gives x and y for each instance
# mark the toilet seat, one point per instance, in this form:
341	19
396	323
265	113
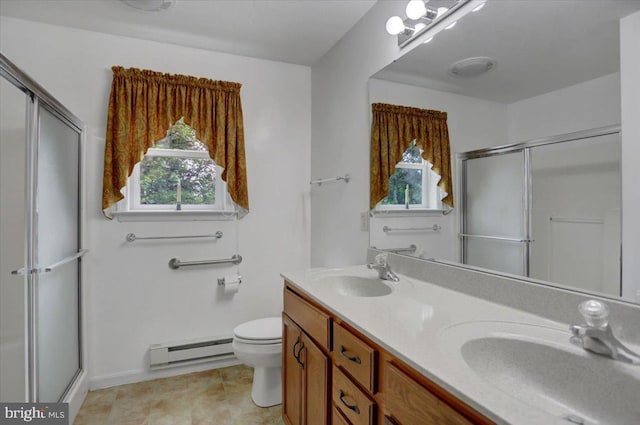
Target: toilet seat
257	341
259	332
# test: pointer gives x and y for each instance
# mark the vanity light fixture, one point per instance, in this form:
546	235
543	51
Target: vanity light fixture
416	9
421	17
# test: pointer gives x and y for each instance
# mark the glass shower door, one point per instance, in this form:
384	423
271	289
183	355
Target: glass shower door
13	246
57	283
495	224
576	218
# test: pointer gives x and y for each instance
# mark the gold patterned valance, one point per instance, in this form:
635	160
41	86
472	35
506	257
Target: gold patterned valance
144	104
393	129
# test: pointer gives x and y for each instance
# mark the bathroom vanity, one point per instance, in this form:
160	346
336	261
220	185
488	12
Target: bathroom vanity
360	350
329	368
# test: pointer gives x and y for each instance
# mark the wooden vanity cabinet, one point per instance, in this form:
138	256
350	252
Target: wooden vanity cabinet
332	374
305	365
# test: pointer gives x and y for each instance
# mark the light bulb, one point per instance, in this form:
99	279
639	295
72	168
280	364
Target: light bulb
441	11
416	9
395	25
419	26
451	25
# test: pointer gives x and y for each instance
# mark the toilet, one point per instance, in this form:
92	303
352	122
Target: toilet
258	344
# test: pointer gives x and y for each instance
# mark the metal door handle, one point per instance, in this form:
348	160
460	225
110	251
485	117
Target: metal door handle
298	356
293	350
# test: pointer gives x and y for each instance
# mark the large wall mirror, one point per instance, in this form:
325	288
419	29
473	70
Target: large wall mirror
532	95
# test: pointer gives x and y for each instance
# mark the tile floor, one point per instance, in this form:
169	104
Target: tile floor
220	397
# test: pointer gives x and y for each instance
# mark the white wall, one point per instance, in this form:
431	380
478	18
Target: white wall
340	136
473	124
135	300
630	88
591	104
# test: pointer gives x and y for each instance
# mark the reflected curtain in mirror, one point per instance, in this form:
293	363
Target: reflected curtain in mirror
144	104
393	129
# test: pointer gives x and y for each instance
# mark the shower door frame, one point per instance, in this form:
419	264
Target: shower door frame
525	147
39	97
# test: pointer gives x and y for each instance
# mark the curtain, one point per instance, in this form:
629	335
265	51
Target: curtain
144	104
393	129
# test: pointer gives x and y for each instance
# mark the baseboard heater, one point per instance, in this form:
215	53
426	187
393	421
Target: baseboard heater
162	356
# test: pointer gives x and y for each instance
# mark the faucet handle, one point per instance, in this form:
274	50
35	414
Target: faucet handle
595	313
381	259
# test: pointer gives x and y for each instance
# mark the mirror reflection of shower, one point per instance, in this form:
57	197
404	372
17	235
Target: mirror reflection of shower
549	212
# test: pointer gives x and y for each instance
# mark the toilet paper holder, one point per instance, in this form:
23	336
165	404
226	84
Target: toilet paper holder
228	279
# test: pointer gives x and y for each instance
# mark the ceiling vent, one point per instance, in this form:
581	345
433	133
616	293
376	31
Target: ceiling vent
150	5
472	67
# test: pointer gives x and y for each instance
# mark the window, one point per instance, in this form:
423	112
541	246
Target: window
177	174
414	185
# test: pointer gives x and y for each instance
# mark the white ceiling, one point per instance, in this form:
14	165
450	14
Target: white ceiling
540	46
294	31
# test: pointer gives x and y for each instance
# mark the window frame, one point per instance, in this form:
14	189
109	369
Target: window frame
430	201
133	187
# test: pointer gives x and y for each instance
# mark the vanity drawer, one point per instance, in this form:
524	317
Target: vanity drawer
355	356
412	404
315	323
352	402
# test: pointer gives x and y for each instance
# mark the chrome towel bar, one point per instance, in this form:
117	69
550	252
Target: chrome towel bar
319	182
497	238
580	220
131	237
412	248
174	263
434	228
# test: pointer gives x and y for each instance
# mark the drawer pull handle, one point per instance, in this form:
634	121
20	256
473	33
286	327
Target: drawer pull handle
354	359
353	407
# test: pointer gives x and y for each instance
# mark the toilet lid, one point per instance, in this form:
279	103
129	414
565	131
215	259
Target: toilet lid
269	328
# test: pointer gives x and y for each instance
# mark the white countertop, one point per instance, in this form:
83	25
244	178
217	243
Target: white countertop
414	324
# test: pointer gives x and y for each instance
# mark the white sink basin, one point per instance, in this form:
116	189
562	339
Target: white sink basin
539	367
357	286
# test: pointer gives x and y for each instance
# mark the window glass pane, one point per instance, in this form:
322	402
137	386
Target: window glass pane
183	137
413	155
159	177
403	179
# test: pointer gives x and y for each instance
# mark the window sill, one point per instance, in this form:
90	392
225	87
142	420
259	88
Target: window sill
183	215
417	212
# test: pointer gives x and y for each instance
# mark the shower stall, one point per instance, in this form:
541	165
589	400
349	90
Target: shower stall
40	243
549	209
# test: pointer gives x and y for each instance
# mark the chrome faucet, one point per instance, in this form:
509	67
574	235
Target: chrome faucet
381	265
596	335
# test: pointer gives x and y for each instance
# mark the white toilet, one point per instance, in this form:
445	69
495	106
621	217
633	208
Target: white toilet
258	344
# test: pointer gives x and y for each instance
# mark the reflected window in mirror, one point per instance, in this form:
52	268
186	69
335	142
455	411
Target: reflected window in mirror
413	186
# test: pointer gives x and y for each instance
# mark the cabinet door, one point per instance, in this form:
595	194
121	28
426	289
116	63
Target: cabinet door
291	372
315	382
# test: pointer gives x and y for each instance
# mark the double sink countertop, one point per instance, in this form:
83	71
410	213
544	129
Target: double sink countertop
510	365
